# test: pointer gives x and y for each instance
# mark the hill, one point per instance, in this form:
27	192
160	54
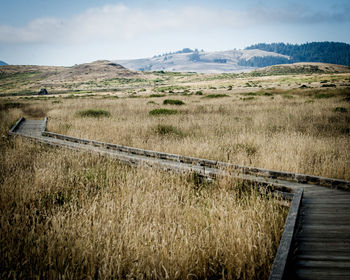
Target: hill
3	63
189	60
327	52
301	68
30	78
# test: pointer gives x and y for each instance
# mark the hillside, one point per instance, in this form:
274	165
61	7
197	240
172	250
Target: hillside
200	61
327	52
301	68
30	78
3	63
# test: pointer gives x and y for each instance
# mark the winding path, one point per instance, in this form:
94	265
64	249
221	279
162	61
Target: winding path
316	240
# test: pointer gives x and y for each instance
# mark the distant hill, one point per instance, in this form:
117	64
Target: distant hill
301	68
327	52
2	63
188	60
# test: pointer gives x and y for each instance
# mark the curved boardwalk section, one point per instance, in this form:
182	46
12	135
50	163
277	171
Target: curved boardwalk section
316	240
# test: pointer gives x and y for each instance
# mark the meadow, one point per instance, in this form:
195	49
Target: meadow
76	215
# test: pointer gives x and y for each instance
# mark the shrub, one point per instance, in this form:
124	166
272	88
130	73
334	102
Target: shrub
94	113
248	98
340	110
218	95
329	85
173	102
258	93
164	129
163	111
287	96
199	92
323	95
157	95
152	102
10	105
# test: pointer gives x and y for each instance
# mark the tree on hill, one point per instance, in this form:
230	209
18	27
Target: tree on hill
263	61
327	52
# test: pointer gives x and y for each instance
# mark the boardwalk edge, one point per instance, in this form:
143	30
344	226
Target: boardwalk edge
280	263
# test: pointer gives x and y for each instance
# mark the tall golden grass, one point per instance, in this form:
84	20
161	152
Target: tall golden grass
295	133
72	215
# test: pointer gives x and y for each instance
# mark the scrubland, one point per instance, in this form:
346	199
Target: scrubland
75	215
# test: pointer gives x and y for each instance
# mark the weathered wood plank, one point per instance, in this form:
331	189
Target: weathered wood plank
320	274
329	264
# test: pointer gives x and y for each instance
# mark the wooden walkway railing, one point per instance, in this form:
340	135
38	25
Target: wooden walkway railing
316	240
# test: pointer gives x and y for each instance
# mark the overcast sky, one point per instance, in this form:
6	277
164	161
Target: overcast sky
67	32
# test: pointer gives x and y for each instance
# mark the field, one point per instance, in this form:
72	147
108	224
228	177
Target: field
77	215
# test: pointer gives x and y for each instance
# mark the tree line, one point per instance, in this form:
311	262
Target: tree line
327	52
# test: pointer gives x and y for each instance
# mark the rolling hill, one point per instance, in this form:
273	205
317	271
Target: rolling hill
199	61
252	57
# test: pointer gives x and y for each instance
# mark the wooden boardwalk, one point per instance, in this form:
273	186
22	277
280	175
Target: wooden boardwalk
321	245
316	241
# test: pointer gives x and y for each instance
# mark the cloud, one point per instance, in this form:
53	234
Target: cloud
120	23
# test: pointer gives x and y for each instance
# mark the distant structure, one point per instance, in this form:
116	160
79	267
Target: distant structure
43	91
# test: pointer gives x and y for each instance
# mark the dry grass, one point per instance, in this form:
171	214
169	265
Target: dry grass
300	133
78	216
74	215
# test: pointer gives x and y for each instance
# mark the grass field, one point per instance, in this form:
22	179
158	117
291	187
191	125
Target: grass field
73	215
293	130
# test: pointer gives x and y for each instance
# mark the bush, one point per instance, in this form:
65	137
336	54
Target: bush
329	85
162	111
173	102
94	113
199	92
152	102
323	95
340	110
164	129
219	95
258	93
10	105
157	95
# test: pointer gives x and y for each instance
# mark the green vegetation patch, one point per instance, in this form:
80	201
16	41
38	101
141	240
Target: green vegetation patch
329	85
93	113
340	110
10	105
157	95
152	102
258	93
171	89
173	102
323	95
163	111
218	95
168	130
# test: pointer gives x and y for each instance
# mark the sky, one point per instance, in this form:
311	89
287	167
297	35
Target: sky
68	32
